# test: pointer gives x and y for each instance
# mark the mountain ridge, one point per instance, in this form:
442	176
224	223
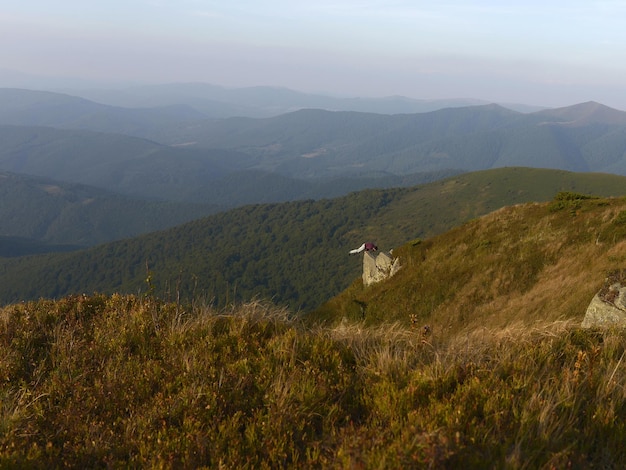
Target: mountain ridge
310	143
518	265
251	251
64	111
265	101
586	113
48	212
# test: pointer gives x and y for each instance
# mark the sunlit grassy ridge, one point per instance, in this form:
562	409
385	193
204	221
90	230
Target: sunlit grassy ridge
520	263
123	381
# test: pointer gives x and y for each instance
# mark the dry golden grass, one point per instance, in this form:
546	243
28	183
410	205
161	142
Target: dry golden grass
90	382
525	263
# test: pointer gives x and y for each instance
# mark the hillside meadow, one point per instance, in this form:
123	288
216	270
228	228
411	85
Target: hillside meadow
504	377
122	381
524	263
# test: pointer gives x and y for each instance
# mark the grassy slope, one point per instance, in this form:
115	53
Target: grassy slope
252	251
118	381
523	263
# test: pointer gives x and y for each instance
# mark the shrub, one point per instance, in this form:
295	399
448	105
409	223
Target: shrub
568	200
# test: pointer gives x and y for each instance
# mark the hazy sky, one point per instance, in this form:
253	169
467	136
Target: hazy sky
552	53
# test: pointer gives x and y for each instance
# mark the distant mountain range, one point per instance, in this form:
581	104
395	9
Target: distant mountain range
115	162
176	153
75	173
39	215
265	101
584	137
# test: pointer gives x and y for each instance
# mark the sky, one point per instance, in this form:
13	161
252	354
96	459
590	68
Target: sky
547	53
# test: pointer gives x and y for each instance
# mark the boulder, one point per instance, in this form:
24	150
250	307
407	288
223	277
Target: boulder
607	308
378	266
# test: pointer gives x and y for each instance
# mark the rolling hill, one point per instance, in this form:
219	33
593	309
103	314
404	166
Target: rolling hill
585	137
178	155
260	101
258	187
19	107
517	266
41	212
293	253
118	163
471	354
144	169
504	374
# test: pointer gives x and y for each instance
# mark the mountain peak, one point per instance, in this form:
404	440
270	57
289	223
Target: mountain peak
585	113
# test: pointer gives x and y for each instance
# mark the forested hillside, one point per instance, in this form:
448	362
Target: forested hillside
115	162
11	247
41	211
144	169
53	212
293	253
586	137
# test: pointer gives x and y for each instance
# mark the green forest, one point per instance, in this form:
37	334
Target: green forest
294	253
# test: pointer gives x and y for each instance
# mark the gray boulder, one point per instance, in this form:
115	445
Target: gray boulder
607	308
378	266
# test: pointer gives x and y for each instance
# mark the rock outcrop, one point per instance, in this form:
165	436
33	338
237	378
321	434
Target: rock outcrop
608	307
378	266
